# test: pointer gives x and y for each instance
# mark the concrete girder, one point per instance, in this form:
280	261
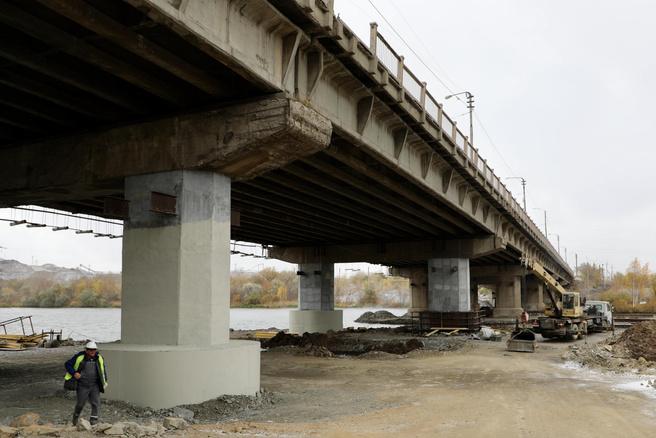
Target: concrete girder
246	36
391	252
240	141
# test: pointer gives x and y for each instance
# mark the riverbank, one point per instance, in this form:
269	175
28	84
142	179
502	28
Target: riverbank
478	389
104	325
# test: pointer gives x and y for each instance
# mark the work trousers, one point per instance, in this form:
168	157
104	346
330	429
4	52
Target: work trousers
90	393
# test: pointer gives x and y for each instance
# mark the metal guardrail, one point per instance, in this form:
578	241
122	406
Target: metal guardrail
17	320
416	92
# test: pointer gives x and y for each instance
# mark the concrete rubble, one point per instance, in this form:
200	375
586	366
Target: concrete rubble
634	350
28	425
83	425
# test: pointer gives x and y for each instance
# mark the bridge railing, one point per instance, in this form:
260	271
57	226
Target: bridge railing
415	91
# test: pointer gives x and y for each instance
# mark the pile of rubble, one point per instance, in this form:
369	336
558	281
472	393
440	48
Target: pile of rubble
30	425
634	349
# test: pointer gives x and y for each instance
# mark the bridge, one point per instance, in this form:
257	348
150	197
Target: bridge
265	121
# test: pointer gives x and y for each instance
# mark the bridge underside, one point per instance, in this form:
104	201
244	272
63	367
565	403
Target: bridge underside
75	66
258	126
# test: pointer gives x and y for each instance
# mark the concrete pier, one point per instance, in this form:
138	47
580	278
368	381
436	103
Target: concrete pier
509	296
418	277
534	294
175	346
316	300
449	287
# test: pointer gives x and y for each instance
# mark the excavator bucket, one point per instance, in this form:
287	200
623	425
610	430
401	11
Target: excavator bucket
522	340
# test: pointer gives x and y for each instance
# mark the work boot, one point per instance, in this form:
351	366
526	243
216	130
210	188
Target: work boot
93	420
75	418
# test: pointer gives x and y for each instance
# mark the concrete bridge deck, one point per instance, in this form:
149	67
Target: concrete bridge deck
264	121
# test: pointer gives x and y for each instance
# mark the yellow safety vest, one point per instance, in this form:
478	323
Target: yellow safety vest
101	369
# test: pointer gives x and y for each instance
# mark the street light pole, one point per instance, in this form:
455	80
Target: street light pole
470	106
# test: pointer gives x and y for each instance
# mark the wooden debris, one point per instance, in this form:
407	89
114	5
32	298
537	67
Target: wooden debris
450	330
20	342
268	334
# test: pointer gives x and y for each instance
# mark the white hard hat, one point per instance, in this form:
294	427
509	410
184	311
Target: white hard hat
91	346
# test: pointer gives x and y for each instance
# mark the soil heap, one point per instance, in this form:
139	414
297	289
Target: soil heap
634	349
384	317
638	341
347	342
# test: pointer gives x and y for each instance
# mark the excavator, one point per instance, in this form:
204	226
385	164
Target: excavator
565	318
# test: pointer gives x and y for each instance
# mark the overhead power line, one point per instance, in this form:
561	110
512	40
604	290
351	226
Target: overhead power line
409	47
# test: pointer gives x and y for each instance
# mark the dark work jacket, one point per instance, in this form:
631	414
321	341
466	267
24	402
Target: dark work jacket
100	364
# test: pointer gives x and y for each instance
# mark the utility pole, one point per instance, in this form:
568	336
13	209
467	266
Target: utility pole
546	234
576	264
470	106
565	254
523	180
557	239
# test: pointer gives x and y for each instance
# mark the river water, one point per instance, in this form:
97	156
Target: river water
104	325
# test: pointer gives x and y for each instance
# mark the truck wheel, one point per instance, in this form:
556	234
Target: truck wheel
574	335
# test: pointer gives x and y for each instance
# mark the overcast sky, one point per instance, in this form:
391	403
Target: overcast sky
563	88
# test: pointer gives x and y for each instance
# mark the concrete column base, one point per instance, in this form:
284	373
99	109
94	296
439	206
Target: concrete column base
507	312
315	321
163	376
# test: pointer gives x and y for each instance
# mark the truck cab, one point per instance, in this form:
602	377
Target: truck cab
601	315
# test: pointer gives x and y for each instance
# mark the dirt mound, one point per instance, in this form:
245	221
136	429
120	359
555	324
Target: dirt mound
634	349
383	317
638	341
345	343
374	317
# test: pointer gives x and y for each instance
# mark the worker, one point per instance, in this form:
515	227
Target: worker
523	320
87	369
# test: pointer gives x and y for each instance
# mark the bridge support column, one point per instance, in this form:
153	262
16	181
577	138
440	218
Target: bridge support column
175	346
509	296
418	277
316	300
449	288
534	294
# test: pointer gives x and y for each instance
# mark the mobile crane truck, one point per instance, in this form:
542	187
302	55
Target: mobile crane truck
565	318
